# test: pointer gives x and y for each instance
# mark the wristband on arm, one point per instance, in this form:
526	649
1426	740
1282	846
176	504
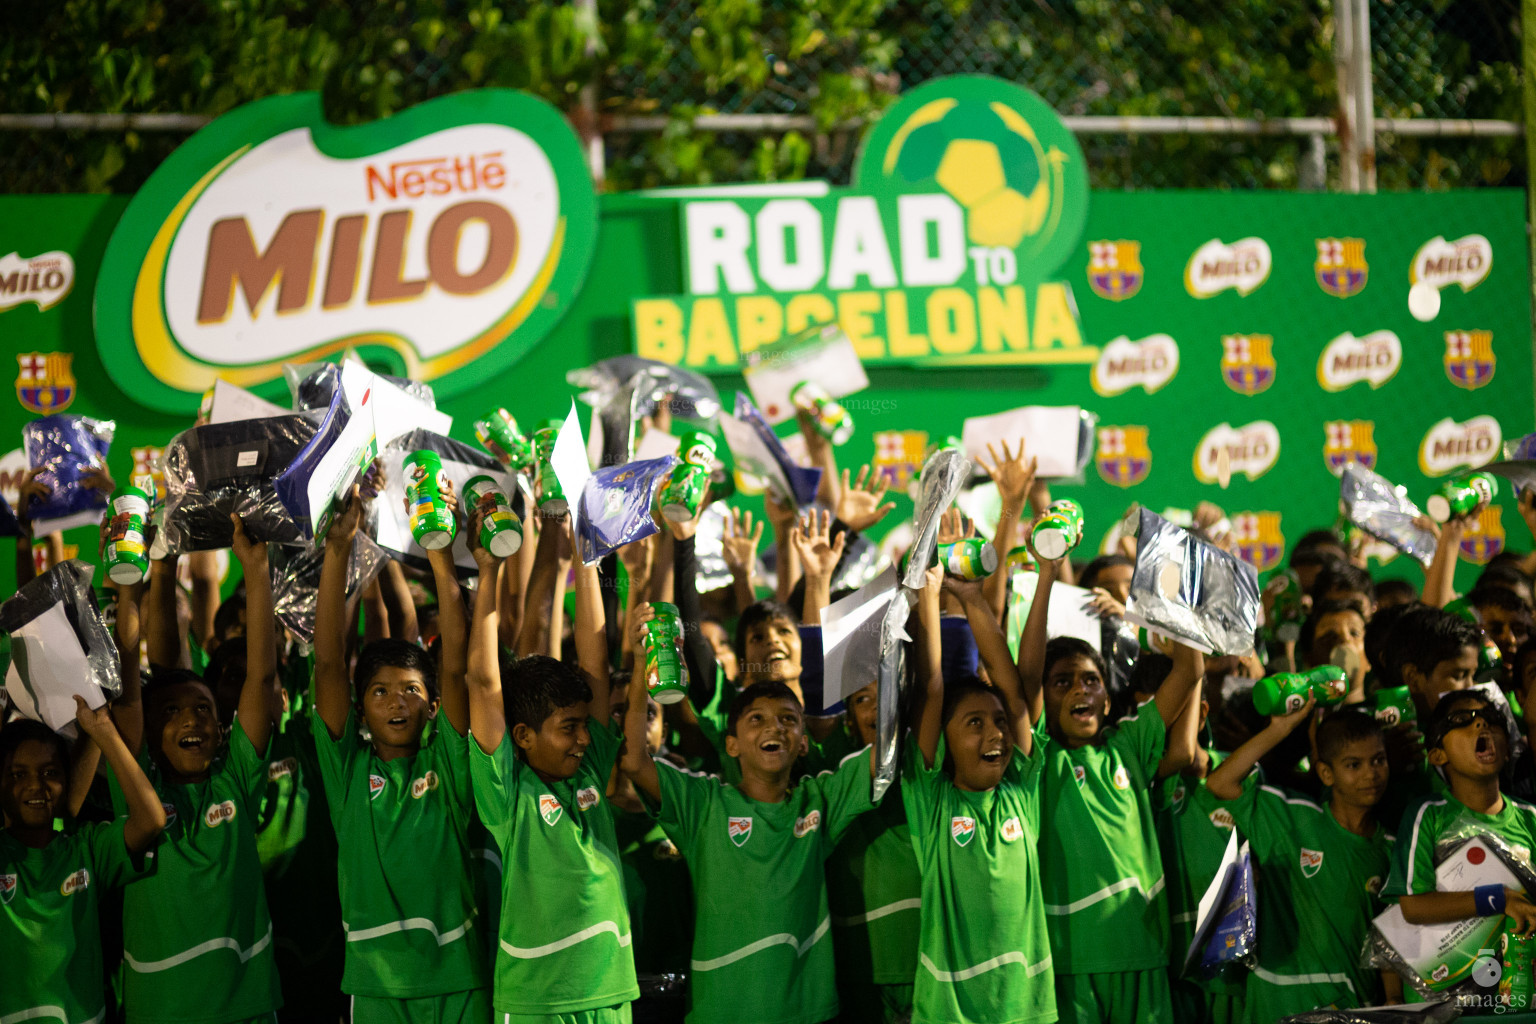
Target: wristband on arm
1490	900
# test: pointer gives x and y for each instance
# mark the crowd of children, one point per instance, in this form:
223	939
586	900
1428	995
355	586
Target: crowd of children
458	806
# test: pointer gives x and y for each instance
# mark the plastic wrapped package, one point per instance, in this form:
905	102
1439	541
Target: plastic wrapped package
1372	503
615	507
1192	590
623	389
312	385
943	475
59	646
63	449
1438	1012
217	469
889	679
296	580
1520	472
9	525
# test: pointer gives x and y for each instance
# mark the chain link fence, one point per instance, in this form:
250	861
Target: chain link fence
752	90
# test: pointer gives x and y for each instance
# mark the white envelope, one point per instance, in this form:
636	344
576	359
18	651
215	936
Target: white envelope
232	403
827	358
1050	435
850	638
57	669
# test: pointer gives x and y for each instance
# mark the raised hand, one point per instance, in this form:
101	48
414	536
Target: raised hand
98	479
246	550
638	557
953	526
1013	474
344	527
95	723
819	554
859	505
739	542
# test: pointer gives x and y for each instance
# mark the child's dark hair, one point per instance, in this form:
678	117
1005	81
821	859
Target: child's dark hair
757	613
535	687
1429	636
1378	636
1060	647
961	687
1308	634
23	730
392	653
162	679
1506	574
1396	592
1439	718
225	676
228	616
1304	558
1090	574
1314	539
1495	596
766	690
1343	576
1148	673
1342	728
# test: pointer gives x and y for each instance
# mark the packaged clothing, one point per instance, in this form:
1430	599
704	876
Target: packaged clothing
761	954
564	942
404	821
983	952
1101	871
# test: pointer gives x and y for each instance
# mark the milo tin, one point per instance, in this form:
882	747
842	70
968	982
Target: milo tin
1394	707
431	520
126	553
832	420
1152	640
551	496
1059	530
666	677
698	449
1021	559
679	495
498	434
1517	981
500	532
968	559
1462	496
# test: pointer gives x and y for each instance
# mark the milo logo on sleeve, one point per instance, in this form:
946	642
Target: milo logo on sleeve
808	824
75	882
586	798
280	769
218	814
424	785
1012	831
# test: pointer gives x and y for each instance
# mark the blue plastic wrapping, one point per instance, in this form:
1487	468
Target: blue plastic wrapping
63	449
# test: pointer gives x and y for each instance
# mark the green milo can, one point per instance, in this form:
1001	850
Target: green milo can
126	553
552	498
1059	530
1462	496
680	494
1394	707
1286	610
431	520
666	677
500	532
832	420
498	434
968	559
1517	982
1021	559
698	449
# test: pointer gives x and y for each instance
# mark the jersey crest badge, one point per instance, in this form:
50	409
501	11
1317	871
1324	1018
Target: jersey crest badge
1222	818
1122	780
424	785
808	824
375	786
1311	862
218	814
75	882
1469	358
549	808
1079	773
739	829
1178	795
1341	268
8	885
962	830
278	769
586	798
170	813
1012	831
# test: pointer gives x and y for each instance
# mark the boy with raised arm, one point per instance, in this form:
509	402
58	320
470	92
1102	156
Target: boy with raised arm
401	804
197	938
565	933
1101	870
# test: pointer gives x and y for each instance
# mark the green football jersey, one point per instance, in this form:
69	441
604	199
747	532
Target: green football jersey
760	892
565	938
1318	887
983	954
659	893
875	893
197	938
1100	870
1443	818
1192	840
50	931
403	821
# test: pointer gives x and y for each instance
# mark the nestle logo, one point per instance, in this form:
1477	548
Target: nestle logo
436	176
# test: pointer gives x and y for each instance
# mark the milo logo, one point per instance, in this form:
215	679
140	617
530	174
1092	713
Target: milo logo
75	882
1242	265
1465	262
1012	831
1125	364
1449	445
281	769
218	814
586	798
424	785
1389	716
808	824
1222	818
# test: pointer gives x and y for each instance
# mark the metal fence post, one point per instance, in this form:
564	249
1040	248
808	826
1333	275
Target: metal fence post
1343	60
1365	97
591	129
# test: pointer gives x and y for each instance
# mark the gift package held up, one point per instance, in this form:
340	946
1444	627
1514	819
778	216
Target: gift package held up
59	647
1190	589
63	449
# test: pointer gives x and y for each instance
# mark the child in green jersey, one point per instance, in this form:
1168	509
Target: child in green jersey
1320	867
51	882
197	938
1101	870
402	805
762	841
1466	738
542	753
971	784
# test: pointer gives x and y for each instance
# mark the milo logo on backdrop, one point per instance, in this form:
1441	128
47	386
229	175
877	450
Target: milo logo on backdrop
968	195
456	231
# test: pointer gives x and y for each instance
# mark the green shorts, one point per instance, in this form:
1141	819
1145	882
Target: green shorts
1207	1004
602	1015
471	1007
864	1002
1121	997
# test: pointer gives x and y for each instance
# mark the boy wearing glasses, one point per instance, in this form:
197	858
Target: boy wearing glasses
1466	738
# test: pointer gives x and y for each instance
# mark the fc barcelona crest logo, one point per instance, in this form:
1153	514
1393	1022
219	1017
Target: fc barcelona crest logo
739	829
899	455
1341	268
1114	269
1248	362
1469	359
1257	538
1484	537
1346	441
1123	457
45	383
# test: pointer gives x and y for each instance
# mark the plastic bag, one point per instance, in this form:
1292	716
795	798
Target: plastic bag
944	474
1372	503
616	507
312	385
1439	1012
9	525
1192	590
63	449
296	580
59	646
222	468
693	396
1520	472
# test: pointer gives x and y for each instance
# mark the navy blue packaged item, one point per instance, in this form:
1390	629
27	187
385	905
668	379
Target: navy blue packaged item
63	449
615	506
